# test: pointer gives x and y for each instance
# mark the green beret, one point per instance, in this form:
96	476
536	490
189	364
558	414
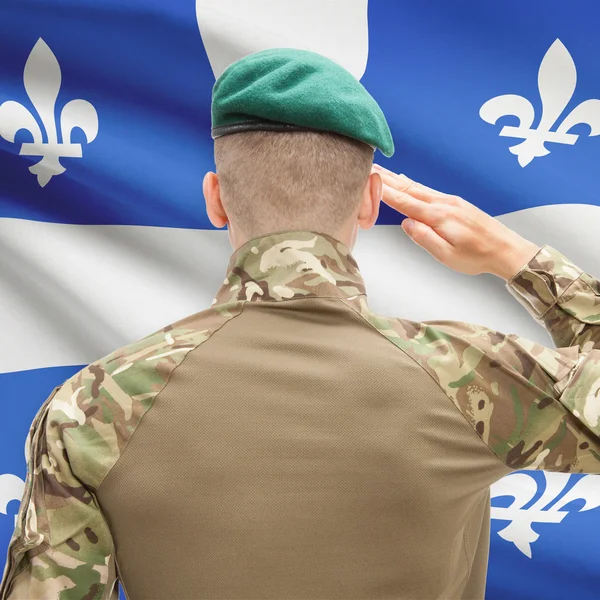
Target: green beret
295	90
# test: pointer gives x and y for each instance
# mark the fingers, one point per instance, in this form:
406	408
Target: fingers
402	183
406	204
415	200
433	214
428	239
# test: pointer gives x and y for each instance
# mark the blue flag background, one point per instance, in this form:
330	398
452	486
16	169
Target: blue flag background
119	244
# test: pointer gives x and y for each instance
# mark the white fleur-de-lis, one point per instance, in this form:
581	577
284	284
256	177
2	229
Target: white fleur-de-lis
523	487
42	79
11	488
557	78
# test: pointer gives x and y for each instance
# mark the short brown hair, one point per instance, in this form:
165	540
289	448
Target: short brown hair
277	181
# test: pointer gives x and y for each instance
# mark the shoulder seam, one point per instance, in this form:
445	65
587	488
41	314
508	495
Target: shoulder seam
436	383
243	304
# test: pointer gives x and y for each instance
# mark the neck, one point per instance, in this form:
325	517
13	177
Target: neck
347	235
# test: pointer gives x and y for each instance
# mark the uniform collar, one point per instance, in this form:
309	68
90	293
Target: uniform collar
289	265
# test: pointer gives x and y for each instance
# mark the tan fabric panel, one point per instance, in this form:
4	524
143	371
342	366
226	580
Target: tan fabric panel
477	542
299	455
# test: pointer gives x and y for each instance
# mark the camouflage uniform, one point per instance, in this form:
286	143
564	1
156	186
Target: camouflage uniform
507	403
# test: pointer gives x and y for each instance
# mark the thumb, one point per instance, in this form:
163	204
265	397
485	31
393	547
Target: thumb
427	238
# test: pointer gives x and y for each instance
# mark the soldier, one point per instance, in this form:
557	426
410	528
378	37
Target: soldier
288	443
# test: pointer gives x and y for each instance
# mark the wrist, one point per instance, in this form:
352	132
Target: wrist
513	257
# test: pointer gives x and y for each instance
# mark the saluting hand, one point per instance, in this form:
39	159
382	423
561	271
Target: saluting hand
454	231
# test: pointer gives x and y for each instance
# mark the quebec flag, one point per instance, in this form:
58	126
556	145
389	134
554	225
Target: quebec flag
105	138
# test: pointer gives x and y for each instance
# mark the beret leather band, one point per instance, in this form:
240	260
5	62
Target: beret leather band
257	126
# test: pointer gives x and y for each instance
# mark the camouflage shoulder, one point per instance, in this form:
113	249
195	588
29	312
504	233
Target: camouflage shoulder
62	546
95	412
505	386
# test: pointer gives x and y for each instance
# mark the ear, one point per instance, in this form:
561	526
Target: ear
212	196
369	206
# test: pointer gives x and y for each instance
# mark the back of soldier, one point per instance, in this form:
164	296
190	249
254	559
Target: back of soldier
298	453
287	443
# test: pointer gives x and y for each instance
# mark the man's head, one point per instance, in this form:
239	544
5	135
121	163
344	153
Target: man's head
294	140
276	181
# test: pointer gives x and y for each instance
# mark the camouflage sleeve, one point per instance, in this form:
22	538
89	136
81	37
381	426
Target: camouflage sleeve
534	407
561	297
526	402
62	547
